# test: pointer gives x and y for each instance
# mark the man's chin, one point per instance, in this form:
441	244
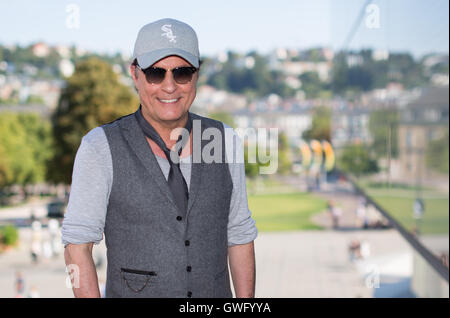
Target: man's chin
173	118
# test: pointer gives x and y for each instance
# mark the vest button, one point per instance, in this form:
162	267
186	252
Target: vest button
179	218
189	294
187	243
189	268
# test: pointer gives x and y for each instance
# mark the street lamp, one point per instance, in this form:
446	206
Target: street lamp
418	208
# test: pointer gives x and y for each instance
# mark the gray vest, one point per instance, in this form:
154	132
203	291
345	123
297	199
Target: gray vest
152	250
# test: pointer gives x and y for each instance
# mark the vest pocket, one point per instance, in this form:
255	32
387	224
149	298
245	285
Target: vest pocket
136	280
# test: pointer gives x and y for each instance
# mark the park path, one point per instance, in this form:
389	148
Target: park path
289	264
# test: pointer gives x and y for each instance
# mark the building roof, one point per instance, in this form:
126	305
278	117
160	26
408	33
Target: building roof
433	96
431	107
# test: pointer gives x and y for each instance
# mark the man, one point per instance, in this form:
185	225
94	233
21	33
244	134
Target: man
172	221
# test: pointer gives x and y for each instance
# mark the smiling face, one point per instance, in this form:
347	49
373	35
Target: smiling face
165	105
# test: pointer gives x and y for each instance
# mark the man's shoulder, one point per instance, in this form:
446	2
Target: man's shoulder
119	121
97	136
95	139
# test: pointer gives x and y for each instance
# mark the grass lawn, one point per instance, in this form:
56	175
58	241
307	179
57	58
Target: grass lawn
286	211
399	203
268	186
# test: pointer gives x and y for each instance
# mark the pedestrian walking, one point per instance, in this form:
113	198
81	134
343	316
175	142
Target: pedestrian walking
19	285
361	213
335	213
55	237
36	241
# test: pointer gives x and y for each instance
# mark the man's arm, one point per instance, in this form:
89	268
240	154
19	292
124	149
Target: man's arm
241	227
243	271
84	219
82	270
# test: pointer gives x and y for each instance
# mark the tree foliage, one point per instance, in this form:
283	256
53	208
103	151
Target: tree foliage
257	80
380	122
284	156
223	117
251	168
311	84
437	157
4	166
284	161
367	73
9	235
356	159
25	146
92	97
321	125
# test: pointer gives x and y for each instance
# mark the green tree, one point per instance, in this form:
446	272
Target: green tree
9	235
356	159
436	156
370	73
251	169
360	78
4	167
257	80
404	69
284	157
223	117
24	148
93	96
383	123
311	84
39	140
340	73
321	125
17	156
33	99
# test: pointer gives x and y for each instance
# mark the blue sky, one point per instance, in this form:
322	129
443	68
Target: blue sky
417	26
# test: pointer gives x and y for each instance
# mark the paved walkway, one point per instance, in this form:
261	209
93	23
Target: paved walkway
289	264
317	264
295	264
48	275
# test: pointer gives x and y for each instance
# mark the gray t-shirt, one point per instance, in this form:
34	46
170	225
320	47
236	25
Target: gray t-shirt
92	179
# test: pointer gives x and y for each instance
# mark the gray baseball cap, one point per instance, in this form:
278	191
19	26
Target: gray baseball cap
163	38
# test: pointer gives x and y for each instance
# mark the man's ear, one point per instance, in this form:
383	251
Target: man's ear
134	76
133	72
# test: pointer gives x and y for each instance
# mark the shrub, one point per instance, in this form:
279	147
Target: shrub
9	235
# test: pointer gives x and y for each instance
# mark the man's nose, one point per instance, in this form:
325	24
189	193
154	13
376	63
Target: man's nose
168	84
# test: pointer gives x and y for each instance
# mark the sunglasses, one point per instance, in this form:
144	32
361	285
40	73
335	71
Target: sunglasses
181	75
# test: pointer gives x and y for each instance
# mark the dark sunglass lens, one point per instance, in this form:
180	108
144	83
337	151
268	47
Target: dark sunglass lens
155	74
183	75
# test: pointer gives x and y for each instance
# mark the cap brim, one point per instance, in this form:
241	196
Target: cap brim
148	59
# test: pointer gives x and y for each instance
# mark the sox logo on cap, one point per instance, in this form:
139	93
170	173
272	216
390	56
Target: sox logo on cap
168	32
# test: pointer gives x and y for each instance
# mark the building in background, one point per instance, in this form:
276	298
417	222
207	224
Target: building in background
422	121
350	125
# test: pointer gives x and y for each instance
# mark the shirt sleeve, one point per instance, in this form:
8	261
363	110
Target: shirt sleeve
84	220
241	226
